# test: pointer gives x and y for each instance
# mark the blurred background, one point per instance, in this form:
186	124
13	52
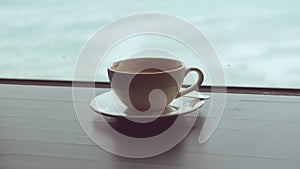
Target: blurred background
258	41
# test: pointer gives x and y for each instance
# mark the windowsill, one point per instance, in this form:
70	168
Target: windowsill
38	123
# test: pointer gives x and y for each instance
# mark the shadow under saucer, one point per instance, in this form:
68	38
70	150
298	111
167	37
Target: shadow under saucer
140	130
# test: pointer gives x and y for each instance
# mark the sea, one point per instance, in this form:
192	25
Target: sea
257	41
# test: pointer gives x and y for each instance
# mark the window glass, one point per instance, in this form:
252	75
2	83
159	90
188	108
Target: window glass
257	41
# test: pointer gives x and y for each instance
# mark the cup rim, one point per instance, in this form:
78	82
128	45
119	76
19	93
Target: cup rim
149	73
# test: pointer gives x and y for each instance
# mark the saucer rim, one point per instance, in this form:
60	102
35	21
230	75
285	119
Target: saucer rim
197	106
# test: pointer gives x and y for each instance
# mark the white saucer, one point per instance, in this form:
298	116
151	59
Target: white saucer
105	104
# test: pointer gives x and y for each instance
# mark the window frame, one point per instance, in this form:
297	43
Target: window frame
205	88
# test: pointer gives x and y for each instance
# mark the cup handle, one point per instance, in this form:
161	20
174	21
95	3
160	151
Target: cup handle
194	86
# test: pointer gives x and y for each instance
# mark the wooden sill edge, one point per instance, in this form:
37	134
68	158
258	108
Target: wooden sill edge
228	89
